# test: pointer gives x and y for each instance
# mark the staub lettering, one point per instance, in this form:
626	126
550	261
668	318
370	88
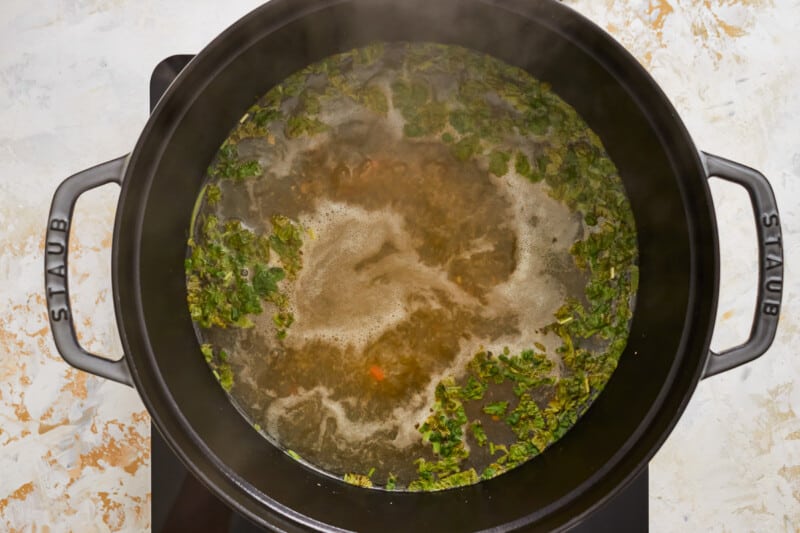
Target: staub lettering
55	248
59	224
774	284
773	261
59	314
59	271
770	220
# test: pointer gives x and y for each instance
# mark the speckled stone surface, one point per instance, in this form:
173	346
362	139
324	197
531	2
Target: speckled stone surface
74	449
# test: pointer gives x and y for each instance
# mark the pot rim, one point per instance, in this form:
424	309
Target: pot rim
629	460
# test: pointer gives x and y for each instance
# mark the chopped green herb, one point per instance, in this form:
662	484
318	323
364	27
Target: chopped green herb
523	167
478	433
467	147
219	294
408	97
359	480
228	165
496	408
219	366
498	163
309	103
299	125
227	274
462	121
432	117
254	123
207	352
373	98
265	280
286	240
213	194
282	321
262	116
371	53
493	470
494	448
474	389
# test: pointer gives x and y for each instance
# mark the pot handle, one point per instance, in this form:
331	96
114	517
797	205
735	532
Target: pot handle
56	272
770	264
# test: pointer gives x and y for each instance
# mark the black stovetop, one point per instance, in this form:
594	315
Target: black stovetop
180	503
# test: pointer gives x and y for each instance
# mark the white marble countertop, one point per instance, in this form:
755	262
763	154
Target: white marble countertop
74	449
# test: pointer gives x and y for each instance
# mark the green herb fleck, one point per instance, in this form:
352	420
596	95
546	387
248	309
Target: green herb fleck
286	240
213	194
282	321
228	277
496	408
265	280
523	167
299	125
474	389
498	162
478	433
228	166
462	121
408	97
371	53
207	351
467	148
219	366
219	291
373	98
359	480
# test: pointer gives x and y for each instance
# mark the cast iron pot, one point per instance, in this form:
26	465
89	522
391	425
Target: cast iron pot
665	177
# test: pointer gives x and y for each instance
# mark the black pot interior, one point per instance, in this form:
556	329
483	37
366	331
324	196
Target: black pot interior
657	162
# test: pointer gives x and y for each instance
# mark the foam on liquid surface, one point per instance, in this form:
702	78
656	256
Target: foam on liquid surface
417	261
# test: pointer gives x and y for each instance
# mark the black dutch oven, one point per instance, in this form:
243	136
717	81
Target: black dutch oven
665	177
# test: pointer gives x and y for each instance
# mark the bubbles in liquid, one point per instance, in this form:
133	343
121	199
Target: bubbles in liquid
362	277
417	260
413	261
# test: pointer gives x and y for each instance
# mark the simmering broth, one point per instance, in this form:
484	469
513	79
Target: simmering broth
412	266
